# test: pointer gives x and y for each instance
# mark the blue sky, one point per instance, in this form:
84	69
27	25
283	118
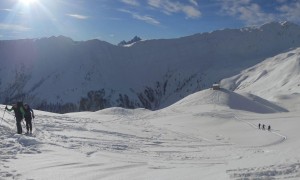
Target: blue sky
117	20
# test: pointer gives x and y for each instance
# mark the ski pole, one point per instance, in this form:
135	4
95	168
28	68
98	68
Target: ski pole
3	114
32	124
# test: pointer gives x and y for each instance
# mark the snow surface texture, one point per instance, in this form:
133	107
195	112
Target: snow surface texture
276	79
58	74
203	136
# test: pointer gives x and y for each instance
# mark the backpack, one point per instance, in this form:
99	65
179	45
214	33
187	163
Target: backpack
18	112
28	110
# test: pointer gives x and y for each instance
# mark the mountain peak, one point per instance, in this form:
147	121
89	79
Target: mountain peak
60	37
56	39
133	40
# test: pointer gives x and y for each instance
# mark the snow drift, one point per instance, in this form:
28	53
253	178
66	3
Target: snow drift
230	99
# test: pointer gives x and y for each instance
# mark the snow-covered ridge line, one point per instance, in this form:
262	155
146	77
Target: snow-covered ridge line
276	79
61	75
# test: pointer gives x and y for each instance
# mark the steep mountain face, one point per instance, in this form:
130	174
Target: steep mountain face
276	79
61	75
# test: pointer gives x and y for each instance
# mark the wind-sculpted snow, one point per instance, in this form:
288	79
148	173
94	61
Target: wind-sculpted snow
199	137
227	98
282	171
275	79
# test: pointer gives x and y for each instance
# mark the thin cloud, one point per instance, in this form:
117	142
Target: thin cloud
247	11
191	12
144	18
8	10
281	1
131	2
194	2
290	12
78	16
13	27
170	7
253	14
147	19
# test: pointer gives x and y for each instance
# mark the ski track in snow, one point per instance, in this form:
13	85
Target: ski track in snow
13	144
282	137
216	98
283	171
157	143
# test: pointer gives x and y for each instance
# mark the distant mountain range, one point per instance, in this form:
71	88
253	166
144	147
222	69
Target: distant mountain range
61	75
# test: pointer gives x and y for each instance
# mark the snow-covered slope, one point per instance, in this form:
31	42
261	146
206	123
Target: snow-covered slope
223	98
276	79
203	136
61	75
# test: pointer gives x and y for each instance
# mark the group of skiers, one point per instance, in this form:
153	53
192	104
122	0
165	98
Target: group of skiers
263	127
22	111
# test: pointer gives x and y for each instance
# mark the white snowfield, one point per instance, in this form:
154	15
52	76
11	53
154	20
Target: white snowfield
207	135
276	79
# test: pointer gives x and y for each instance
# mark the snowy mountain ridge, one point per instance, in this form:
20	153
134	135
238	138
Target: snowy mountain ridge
209	134
276	79
61	75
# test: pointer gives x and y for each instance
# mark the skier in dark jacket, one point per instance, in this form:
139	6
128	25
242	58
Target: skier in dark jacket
29	115
19	114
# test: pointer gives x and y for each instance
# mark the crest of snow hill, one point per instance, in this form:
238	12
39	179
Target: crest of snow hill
61	75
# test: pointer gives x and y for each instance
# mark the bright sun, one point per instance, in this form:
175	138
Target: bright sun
28	2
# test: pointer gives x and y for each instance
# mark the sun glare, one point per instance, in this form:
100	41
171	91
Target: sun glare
27	2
